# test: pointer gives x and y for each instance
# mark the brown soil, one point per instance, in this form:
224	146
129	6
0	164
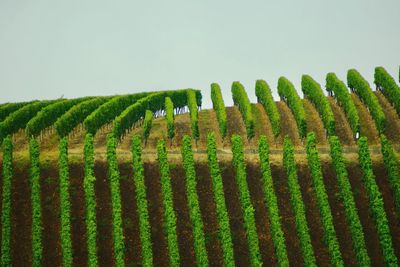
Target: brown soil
262	124
288	125
314	122
367	124
208	123
342	127
392	130
235	125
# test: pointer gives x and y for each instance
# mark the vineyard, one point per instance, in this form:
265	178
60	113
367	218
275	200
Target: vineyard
152	179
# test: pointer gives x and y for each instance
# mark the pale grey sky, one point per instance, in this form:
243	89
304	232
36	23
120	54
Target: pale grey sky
78	48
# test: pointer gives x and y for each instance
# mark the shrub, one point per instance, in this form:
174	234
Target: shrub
141	199
147	124
271	202
376	203
388	85
90	201
37	247
312	90
245	200
322	201
297	203
114	177
349	204
219	107
193	202
343	97
288	93
6	203
241	100
169	115
219	197
169	212
9	108
361	87
194	117
264	96
65	205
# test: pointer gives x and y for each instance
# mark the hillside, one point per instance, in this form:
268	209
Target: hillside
96	191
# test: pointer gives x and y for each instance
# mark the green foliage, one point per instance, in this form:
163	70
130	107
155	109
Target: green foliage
107	112
8	108
391	163
169	115
18	119
194	206
153	102
388	85
77	114
114	177
219	197
141	199
49	115
264	96
241	100
37	246
376	203
312	90
271	202
322	201
169	212
350	208
219	107
147	124
288	93
245	200
6	203
90	201
194	117
344	99
65	205
361	87
297	204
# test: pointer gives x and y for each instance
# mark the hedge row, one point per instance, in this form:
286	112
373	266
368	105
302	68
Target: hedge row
376	203
297	204
219	197
288	93
312	90
391	163
245	200
219	107
241	100
271	202
361	87
18	119
141	199
388	85
264	96
107	112
90	201
114	177
194	117
77	114
322	201
8	108
169	116
49	115
147	124
168	203
349	204
37	247
153	102
6	203
343	97
193	199
65	205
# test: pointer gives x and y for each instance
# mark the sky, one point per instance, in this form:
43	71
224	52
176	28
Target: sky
50	49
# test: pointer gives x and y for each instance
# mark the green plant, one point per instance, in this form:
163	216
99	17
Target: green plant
271	202
241	100
194	117
219	107
169	115
147	124
388	86
245	200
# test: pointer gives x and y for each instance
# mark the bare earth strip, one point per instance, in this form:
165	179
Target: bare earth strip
314	122
367	124
392	130
342	126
